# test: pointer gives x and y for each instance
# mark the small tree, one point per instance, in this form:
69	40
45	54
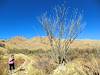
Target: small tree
62	28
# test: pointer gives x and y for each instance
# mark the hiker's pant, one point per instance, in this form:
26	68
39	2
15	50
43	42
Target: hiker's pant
11	66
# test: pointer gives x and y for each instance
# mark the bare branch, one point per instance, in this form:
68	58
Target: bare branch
62	28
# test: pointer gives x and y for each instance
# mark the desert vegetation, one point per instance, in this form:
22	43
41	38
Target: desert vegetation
59	53
58	26
83	59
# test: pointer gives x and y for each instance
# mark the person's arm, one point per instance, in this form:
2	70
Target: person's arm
11	60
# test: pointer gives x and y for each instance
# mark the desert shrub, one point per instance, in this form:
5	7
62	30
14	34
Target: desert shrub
2	51
41	53
79	66
3	66
38	52
16	51
19	61
81	53
45	64
37	72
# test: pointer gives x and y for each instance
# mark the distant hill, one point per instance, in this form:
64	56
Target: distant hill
86	44
23	43
43	43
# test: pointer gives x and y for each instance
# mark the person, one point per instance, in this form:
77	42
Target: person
11	63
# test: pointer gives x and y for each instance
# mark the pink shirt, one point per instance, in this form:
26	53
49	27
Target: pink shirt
10	61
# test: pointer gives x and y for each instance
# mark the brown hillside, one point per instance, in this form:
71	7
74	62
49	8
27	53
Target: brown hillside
22	43
43	43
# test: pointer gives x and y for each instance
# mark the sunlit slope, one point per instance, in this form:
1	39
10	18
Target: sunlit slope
42	43
23	43
86	44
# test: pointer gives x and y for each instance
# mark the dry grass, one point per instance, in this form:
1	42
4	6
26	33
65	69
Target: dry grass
45	64
79	67
83	57
4	67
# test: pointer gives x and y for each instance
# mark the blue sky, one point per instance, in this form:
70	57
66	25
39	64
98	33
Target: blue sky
19	17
